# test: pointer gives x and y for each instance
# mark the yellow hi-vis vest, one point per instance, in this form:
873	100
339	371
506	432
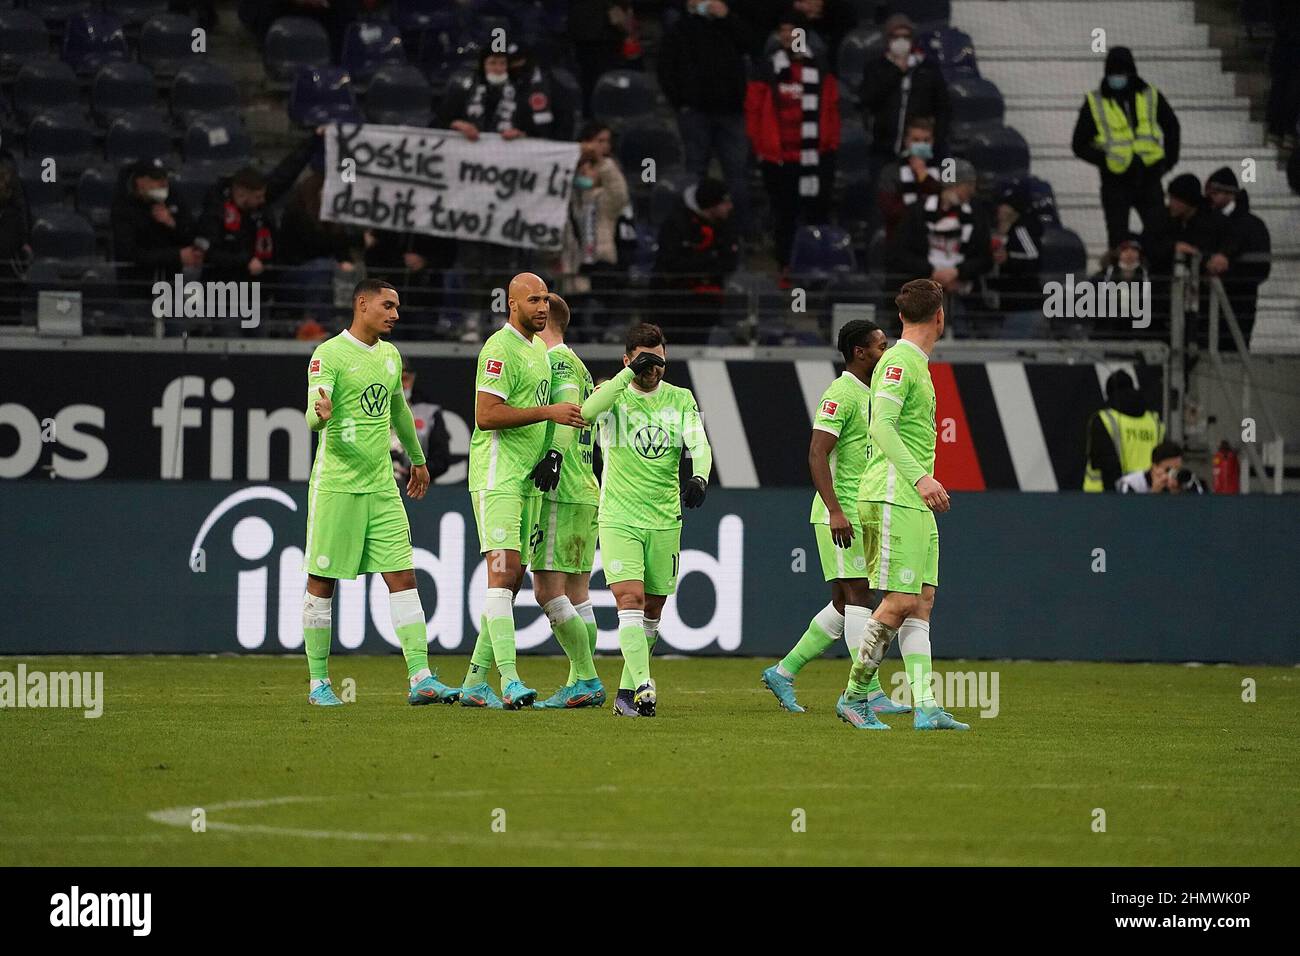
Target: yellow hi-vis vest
1120	141
1135	438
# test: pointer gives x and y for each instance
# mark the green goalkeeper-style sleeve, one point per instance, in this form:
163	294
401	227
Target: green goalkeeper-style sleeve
887	441
563	438
696	441
404	424
602	399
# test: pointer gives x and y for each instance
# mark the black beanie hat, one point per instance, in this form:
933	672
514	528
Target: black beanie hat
1224	179
1186	187
1120	60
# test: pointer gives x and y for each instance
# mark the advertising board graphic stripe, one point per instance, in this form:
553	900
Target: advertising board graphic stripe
955	463
1024	433
732	462
777	428
985	425
1065	397
814	379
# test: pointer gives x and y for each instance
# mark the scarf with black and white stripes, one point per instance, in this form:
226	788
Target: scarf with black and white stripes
810	100
504	115
949	231
908	187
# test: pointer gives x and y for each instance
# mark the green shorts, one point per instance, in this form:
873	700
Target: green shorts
902	546
355	533
568	540
837	562
507	522
641	554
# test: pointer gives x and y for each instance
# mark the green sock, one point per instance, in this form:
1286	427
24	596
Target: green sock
480	661
409	624
500	610
812	645
914	642
636	650
873	686
650	627
863	672
572	635
317	624
588	617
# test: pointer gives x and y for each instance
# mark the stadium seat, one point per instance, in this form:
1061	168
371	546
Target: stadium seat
926	14
953	50
66	138
568	95
441	55
622	95
483	27
133	13
62	234
859	47
92	40
191	184
648	139
202	87
976	105
121	88
399	95
167	43
36	190
23	38
820	251
219	140
96	188
368	45
293	43
137	136
413	17
998	153
59	12
1039	194
1062	253
323	95
855	146
44	86
857	204
666	194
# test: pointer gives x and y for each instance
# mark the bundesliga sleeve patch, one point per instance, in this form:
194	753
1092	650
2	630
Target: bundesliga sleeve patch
829	407
314	368
894	373
492	368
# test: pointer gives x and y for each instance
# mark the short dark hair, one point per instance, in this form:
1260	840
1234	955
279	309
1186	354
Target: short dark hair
370	287
919	300
560	314
853	334
643	335
1166	449
919	122
250	177
591	129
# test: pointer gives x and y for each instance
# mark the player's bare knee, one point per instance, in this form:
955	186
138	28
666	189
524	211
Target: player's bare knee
320	587
654	606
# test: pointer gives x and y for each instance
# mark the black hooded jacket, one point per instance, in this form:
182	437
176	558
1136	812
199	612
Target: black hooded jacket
147	249
1120	60
1123	396
1247	245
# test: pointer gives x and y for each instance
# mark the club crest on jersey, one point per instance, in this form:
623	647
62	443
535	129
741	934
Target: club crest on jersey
492	368
894	373
314	368
829	407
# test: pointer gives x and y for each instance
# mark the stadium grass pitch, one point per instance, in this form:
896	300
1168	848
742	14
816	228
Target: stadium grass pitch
1184	770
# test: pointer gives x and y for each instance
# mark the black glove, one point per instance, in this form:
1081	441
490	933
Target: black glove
644	362
693	493
546	474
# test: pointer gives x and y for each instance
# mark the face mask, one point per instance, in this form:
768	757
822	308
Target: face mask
156	195
497	79
900	46
922	150
1117	82
583	182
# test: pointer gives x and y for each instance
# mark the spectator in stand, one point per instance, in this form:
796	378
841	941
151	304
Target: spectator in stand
417	263
312	250
543	108
697	251
600	194
1283	108
702	73
1130	133
897	86
792	114
1244	258
1125	264
945	238
333	15
605	36
488	104
1190	227
237	223
14	248
430	430
914	175
153	236
1166	476
829	19
1121	436
1015	283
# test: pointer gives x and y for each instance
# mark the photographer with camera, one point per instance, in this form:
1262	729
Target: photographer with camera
1165	476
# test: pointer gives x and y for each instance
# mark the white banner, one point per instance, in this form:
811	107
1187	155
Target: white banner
412	179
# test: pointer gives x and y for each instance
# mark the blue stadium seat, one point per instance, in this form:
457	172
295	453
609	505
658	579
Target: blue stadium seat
1062	252
413	17
667	192
998	153
293	43
323	95
953	50
138	136
59	12
121	88
976	105
66	138
62	234
441	55
219	140
399	95
96	189
203	87
1037	192
820	251
859	47
368	45
36	190
858	204
133	13
621	95
23	38
167	43
568	93
648	139
926	14
855	147
44	86
92	40
191	184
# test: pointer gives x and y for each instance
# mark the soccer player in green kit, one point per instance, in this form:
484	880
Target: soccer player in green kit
562	563
511	409
837	456
355	520
644	424
897	501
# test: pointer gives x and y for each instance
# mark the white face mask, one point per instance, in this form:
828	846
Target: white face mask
497	79
156	195
900	46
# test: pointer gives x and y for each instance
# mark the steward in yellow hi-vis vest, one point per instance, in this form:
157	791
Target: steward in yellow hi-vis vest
1121	436
1128	130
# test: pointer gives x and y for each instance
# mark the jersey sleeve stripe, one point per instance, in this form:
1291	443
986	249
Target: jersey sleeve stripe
892	398
493	391
827	429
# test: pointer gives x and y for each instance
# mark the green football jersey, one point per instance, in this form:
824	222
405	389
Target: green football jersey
571	382
845	412
641	441
517	370
353	452
902	394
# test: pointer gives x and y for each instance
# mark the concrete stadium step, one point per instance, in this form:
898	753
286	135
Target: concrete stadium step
1049	127
1283	227
1199	82
1154	25
1071	176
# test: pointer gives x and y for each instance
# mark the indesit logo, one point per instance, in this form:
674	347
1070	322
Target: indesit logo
74	909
